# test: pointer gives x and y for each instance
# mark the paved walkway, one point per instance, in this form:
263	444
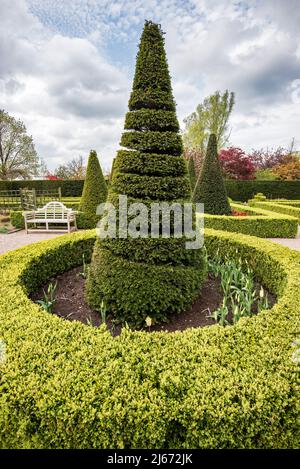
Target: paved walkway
9	242
293	243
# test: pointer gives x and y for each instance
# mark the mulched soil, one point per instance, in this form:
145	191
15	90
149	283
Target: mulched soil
71	305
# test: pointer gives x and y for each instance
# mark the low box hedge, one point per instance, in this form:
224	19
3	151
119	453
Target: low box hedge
292	203
278	208
67	385
261	223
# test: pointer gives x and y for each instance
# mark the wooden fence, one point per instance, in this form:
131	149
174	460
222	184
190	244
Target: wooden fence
26	199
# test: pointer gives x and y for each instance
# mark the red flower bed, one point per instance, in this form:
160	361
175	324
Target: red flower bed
235	213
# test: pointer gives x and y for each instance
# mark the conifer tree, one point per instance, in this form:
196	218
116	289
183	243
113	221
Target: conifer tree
210	188
140	277
95	188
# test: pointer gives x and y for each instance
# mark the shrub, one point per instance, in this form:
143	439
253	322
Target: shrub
95	188
210	189
257	222
17	219
236	164
145	276
67	385
289	171
279	208
245	190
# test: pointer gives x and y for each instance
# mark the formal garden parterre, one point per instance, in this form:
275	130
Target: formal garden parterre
234	384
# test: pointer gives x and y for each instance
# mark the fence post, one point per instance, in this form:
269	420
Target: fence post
34	198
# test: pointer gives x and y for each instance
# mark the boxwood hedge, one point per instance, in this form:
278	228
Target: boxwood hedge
258	222
278	208
68	385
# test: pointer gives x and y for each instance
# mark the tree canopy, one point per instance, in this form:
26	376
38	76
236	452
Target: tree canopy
18	157
210	117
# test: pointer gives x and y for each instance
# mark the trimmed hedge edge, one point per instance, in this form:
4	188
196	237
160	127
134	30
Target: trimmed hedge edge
67	385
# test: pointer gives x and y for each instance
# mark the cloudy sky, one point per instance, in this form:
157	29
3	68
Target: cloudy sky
66	67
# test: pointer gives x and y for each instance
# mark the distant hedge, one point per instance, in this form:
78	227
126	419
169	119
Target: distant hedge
245	190
236	190
69	188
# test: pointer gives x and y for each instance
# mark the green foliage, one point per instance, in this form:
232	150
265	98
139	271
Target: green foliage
245	190
95	188
142	277
278	208
153	164
192	173
238	287
67	385
260	222
18	157
210	189
86	221
49	299
17	219
265	175
210	117
69	188
150	141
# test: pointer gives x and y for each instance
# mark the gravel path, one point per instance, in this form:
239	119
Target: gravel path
9	242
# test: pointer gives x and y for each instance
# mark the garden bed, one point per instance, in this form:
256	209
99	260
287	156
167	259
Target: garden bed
70	304
66	385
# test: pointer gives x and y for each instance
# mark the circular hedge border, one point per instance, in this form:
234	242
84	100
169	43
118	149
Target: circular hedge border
67	385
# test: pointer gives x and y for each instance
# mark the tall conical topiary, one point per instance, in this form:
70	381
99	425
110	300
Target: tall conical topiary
95	188
192	172
210	188
140	277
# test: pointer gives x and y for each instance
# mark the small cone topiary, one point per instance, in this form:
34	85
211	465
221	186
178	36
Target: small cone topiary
192	173
95	188
210	188
152	276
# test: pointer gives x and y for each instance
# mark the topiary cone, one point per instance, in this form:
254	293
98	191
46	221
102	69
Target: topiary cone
210	188
140	277
95	188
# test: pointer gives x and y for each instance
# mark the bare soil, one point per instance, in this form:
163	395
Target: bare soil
70	304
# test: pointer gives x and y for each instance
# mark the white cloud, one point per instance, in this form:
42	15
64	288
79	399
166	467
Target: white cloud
58	76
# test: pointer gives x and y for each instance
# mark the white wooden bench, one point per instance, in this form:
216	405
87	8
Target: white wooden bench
53	213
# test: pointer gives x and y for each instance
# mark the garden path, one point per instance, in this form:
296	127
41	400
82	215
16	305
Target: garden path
290	243
9	242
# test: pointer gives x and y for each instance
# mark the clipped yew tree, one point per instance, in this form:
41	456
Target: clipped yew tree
95	188
139	277
210	187
192	172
